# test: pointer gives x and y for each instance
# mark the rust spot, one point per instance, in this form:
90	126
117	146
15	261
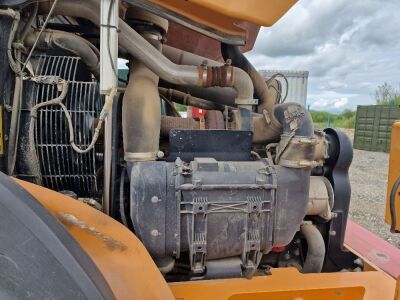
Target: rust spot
70	221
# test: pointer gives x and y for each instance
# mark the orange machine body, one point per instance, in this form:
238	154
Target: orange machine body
394	173
122	258
132	274
228	17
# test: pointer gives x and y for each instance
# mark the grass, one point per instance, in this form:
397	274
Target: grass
344	120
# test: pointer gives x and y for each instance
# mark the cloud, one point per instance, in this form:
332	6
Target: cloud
322	104
349	47
334	85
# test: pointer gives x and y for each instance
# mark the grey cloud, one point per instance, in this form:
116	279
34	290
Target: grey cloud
349	47
310	25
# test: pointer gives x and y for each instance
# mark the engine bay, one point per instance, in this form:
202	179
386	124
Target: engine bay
251	185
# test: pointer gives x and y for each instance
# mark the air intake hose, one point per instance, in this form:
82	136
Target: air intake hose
294	160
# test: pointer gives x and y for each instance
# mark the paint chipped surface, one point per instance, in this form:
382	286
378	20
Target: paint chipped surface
71	221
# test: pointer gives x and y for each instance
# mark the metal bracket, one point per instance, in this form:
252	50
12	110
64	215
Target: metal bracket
198	250
246	119
108	82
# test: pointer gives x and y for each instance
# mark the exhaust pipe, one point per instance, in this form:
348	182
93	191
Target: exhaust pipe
142	50
151	64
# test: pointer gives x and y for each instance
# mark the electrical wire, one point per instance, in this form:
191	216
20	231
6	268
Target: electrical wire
281	100
122	198
58	101
171	105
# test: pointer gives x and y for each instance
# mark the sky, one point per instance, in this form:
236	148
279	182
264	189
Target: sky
349	48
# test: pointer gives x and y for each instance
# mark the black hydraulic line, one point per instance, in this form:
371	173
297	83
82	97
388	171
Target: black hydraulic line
122	198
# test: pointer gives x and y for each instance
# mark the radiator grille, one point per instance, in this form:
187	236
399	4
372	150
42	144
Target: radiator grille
61	167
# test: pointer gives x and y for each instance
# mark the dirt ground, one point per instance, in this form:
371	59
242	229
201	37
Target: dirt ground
368	176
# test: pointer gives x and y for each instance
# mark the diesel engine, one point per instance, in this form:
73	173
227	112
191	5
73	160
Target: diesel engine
248	186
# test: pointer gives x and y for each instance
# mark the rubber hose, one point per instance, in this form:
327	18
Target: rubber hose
316	249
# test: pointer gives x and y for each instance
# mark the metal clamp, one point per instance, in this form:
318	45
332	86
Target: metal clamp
143	156
198	249
246	101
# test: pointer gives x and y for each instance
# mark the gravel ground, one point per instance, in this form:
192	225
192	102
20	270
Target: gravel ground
368	176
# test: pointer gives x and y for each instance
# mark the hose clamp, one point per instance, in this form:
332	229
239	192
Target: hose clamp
143	156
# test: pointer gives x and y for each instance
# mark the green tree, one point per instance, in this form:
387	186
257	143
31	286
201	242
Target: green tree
348	113
386	94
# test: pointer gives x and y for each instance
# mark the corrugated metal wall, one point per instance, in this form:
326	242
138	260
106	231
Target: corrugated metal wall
373	127
298	81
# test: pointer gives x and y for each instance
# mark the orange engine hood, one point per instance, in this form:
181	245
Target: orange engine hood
198	26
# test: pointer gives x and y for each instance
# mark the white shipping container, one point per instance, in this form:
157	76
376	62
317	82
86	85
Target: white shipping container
298	81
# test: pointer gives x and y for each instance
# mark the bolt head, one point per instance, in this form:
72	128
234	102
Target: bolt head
155	199
155	232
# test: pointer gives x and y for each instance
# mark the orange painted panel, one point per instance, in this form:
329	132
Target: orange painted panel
394	173
117	252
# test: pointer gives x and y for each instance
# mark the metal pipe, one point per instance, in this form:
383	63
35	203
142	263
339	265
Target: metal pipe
138	47
141	110
187	99
53	39
168	123
141	114
266	127
29	22
182	57
260	87
315	249
222	95
293	177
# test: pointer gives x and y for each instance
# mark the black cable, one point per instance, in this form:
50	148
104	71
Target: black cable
171	105
392	202
122	198
287	85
